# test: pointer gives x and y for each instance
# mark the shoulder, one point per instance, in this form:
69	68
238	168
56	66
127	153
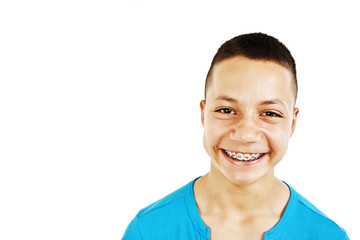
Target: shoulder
171	202
175	214
310	219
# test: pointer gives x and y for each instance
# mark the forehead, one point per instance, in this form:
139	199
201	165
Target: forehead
240	77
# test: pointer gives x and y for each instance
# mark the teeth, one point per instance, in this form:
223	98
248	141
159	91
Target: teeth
243	157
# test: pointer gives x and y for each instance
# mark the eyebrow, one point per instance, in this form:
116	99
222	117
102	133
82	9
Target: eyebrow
265	102
225	98
272	102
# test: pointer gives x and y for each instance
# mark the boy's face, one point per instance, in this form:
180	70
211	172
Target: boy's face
249	114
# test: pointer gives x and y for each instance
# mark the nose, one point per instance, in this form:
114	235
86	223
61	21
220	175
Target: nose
245	130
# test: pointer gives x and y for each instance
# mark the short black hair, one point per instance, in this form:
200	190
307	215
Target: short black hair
256	46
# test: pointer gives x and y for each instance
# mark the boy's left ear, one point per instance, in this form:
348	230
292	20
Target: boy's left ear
293	124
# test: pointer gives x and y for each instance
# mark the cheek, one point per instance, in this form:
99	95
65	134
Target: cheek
214	132
208	141
278	138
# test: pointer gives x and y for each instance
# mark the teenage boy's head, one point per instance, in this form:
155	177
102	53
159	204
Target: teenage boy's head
248	113
255	46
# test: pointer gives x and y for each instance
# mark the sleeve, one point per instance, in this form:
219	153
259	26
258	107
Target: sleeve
132	231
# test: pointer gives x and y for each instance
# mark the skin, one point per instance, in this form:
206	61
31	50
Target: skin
249	108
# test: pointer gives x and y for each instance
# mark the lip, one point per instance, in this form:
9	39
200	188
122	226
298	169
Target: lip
243	163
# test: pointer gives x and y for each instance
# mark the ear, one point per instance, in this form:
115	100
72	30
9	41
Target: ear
293	124
202	107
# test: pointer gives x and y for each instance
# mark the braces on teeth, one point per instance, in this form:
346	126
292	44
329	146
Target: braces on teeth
243	157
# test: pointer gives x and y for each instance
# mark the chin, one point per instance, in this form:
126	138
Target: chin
242	180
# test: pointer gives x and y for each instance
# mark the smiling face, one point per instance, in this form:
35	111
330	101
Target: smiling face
248	118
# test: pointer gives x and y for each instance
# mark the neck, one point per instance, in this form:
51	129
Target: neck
215	194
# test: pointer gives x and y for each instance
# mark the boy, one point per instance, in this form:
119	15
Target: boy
248	116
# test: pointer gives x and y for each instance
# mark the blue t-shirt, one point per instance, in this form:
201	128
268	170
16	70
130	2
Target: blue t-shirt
176	217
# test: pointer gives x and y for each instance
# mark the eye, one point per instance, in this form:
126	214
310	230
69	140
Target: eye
225	111
271	114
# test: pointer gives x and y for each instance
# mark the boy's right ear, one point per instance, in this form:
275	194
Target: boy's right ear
202	107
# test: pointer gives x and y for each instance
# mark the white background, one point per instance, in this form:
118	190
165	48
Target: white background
99	107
